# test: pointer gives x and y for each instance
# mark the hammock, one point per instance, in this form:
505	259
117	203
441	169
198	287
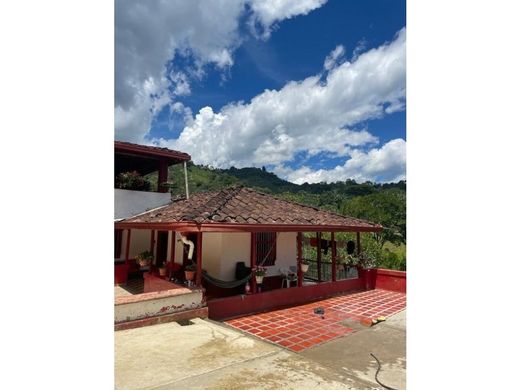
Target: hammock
223	283
233	283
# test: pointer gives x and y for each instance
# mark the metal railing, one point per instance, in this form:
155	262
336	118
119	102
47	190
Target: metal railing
326	271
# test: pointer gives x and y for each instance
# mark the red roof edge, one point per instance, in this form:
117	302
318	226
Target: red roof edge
151	151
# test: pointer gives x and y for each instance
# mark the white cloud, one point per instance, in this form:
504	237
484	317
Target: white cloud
334	57
387	164
310	116
148	34
267	13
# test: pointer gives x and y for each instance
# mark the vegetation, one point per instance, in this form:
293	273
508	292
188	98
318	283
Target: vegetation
380	203
132	181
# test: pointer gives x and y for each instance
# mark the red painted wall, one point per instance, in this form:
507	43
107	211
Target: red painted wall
387	279
222	308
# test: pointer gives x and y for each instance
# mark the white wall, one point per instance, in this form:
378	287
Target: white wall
128	203
286	252
221	252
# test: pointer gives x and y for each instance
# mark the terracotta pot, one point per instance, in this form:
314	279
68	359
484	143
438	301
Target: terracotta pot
162	271
304	267
190	275
259	279
369	276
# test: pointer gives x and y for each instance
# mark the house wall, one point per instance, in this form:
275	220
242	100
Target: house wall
221	252
140	242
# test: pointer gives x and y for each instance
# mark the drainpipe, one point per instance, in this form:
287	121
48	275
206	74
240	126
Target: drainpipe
190	244
186	183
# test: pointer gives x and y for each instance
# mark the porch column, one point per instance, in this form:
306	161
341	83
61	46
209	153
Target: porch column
318	255
333	256
162	176
152	240
198	252
299	258
253	262
358	239
172	249
127	251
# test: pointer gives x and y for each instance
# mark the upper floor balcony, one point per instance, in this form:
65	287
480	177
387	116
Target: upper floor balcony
132	162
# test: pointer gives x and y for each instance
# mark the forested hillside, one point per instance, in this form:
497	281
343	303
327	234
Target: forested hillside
381	203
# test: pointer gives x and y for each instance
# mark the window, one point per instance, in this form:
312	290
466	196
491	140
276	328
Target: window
266	248
118	240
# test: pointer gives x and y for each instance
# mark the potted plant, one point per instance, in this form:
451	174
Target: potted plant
144	258
367	268
189	272
304	265
259	273
162	269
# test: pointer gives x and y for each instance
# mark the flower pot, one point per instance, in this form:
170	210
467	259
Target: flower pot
304	267
259	279
369	277
190	275
162	271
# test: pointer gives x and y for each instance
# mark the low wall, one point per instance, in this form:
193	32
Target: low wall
159	303
223	308
387	279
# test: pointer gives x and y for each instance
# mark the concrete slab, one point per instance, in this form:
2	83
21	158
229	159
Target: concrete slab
351	354
207	355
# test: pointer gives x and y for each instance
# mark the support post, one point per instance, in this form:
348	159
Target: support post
318	255
186	180
127	250
333	256
358	245
162	176
299	258
152	240
198	251
253	262
172	249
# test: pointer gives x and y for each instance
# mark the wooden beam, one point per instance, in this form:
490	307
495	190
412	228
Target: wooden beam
252	262
127	250
299	258
333	256
198	254
318	255
358	245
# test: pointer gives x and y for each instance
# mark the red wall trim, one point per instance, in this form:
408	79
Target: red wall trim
387	279
239	305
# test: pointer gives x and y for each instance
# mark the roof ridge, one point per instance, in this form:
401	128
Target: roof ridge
312	207
231	193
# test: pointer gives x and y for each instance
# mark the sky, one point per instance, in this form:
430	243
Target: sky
312	90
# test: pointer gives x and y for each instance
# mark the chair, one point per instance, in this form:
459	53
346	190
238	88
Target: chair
288	276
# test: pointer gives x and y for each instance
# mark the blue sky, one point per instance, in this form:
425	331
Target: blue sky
208	96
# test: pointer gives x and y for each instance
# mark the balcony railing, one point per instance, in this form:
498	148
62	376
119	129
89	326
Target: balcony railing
326	271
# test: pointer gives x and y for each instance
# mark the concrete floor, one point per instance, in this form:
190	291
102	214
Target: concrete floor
209	355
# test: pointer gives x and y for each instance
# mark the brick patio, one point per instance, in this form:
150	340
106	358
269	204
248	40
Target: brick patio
298	328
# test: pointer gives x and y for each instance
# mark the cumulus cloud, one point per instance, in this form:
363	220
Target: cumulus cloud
386	164
312	116
149	34
267	13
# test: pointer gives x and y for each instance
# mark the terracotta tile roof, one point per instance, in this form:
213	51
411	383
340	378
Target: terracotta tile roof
240	205
156	151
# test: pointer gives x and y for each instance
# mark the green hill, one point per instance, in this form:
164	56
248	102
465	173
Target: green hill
381	203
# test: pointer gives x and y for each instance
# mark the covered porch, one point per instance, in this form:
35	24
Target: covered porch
238	231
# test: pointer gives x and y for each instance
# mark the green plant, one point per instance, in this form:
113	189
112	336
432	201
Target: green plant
368	260
191	267
132	181
146	255
259	271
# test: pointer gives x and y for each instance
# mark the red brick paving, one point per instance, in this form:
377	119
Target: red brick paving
298	328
